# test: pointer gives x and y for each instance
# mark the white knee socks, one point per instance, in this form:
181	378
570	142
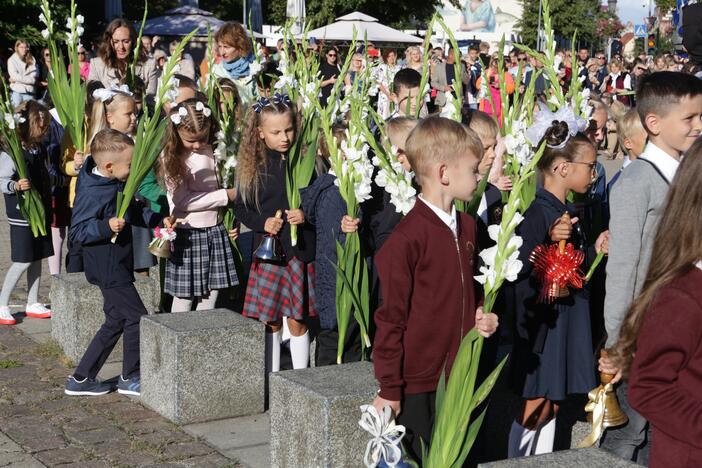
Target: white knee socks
181	305
521	441
207	302
300	350
544	439
273	351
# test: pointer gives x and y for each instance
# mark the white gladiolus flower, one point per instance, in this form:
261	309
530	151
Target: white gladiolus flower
80	19
45	34
80	30
43	19
255	67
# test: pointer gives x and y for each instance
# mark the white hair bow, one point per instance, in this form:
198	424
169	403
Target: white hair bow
202	108
178	117
105	94
543	120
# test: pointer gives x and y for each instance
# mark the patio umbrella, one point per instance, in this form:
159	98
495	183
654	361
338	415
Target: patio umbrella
366	27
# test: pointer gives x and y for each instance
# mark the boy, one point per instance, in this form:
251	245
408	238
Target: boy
669	105
406	88
108	265
426	276
632	137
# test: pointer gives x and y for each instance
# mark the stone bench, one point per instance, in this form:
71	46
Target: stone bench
201	366
314	415
590	458
77	312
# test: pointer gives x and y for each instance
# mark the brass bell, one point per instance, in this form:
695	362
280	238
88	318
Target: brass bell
164	251
613	414
270	250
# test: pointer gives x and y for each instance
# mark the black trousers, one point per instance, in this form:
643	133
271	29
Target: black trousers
328	342
74	257
123	310
417	415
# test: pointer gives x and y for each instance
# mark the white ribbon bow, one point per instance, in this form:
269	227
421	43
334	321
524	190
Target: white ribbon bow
543	120
386	436
105	94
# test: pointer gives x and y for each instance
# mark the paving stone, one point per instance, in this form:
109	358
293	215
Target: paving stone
213	460
202	366
63	455
187	450
94	436
124	452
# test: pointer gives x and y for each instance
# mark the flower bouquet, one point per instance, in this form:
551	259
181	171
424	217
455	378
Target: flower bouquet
30	202
162	244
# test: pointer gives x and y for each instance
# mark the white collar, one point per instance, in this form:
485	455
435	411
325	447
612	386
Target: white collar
665	163
97	172
448	219
627	161
699	264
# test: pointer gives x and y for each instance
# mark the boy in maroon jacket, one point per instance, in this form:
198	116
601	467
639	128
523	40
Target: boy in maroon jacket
426	276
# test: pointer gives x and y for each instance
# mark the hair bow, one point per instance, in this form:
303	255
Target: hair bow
203	108
105	94
281	99
543	120
260	104
177	117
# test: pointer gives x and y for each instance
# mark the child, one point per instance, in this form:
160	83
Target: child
405	87
324	208
632	137
552	355
108	264
426	270
113	108
27	251
669	105
202	261
285	289
659	345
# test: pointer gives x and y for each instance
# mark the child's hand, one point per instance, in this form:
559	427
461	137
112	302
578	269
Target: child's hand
602	243
23	185
607	367
234	233
273	225
500	148
380	403
117	224
504	183
295	216
78	160
562	228
349	224
169	222
486	324
231	194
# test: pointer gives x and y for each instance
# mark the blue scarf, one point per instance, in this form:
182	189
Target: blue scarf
239	68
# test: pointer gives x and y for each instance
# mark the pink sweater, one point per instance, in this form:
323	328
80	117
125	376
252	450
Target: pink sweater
198	197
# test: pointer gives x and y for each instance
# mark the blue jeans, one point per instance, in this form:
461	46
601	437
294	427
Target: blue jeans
18	98
631	441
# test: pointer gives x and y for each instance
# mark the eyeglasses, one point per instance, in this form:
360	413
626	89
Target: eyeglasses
600	58
331	55
592	165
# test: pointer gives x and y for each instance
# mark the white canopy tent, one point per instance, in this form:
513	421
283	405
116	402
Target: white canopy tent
366	27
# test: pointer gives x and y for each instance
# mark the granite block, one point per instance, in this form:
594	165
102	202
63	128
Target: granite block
203	365
315	412
580	458
77	311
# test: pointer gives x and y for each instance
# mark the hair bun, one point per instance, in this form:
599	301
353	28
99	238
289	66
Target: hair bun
557	133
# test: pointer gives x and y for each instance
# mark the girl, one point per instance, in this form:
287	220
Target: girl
618	81
284	289
494	75
27	251
22	69
659	347
202	261
115	54
552	355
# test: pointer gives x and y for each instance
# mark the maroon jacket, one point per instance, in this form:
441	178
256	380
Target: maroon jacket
665	384
429	301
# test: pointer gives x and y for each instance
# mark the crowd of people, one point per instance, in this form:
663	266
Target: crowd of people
645	308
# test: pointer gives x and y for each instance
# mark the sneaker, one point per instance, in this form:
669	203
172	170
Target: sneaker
6	317
37	310
90	387
131	386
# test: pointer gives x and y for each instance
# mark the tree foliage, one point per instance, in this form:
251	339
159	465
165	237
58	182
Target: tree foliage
568	17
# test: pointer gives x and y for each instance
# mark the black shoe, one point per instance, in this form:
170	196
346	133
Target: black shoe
90	387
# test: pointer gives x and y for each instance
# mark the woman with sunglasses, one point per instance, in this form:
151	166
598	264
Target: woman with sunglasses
42	88
330	70
83	64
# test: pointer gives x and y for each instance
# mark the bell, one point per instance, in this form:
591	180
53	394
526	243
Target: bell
270	250
613	414
164	251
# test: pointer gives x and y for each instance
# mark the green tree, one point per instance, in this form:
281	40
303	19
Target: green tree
24	23
567	16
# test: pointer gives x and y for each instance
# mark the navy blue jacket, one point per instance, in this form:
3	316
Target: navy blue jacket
107	264
324	208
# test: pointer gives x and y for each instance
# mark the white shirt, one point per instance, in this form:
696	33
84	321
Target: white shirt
97	172
448	219
665	163
627	161
615	76
699	264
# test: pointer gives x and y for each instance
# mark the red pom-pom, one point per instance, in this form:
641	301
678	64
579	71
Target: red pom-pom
556	269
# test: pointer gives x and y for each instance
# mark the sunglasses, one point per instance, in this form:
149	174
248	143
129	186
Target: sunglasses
331	55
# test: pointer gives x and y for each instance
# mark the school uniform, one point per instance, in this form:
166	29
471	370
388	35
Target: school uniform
553	354
666	373
109	265
286	289
24	247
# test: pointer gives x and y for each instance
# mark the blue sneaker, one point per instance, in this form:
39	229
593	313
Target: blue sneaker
86	387
131	386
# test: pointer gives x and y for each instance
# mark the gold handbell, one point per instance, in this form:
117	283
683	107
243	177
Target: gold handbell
613	414
162	251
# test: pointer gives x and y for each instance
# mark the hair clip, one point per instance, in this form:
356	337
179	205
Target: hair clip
177	117
260	104
202	108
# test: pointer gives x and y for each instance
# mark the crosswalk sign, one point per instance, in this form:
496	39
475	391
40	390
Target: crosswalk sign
640	30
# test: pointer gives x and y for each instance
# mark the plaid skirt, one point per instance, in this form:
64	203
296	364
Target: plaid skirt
277	291
201	261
